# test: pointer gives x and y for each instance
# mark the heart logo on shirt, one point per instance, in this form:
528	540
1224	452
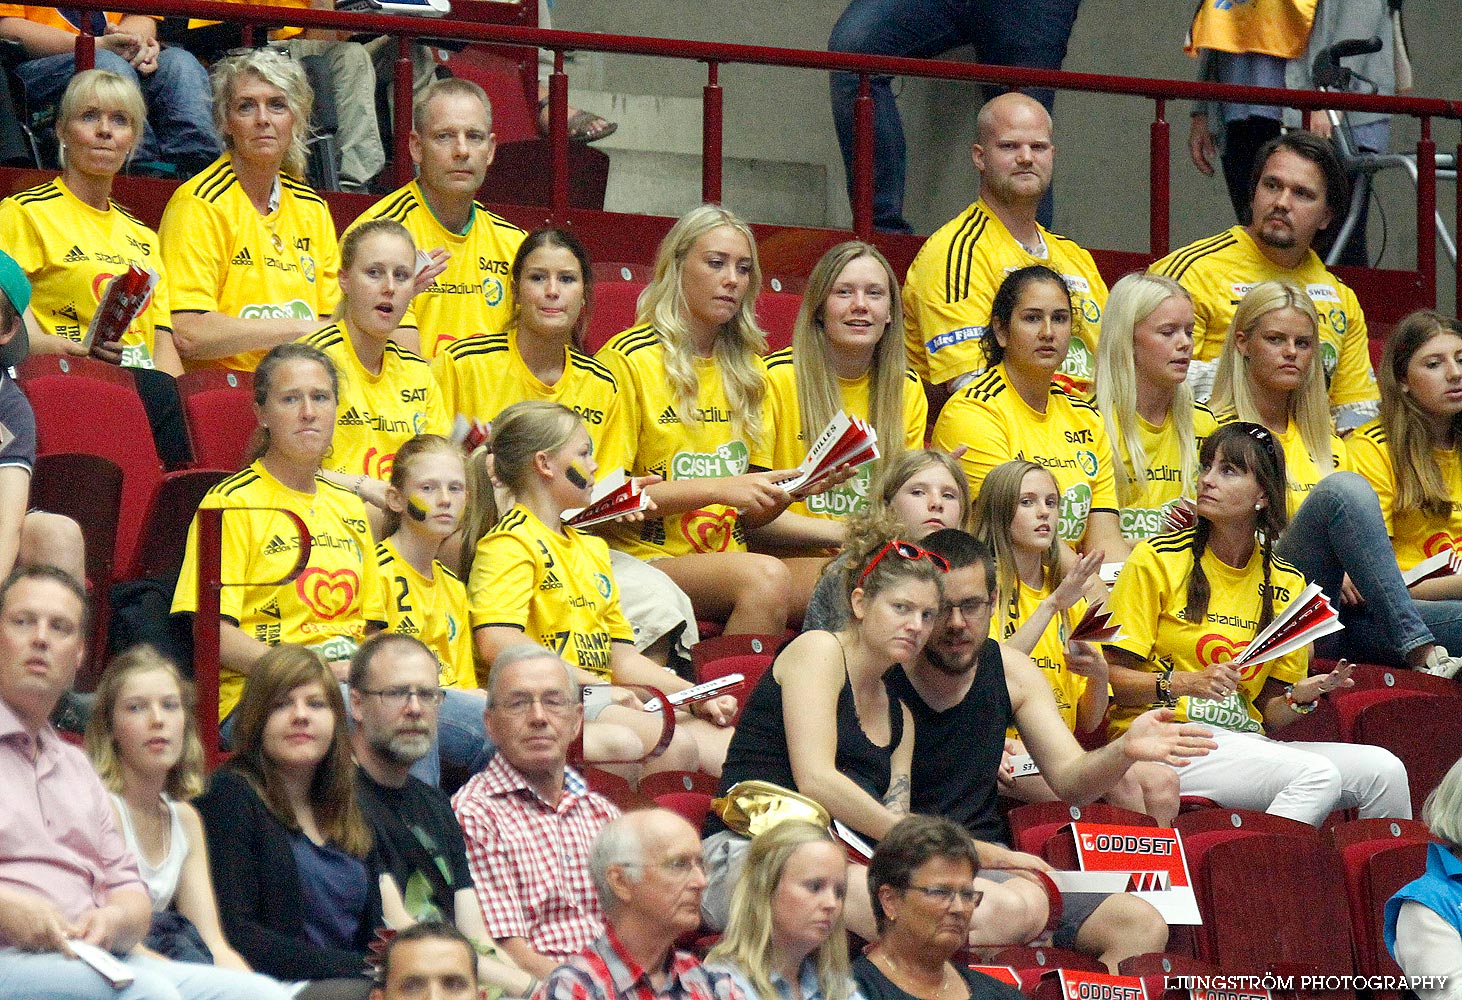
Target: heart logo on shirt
1214	648
708	531
328	594
1441	542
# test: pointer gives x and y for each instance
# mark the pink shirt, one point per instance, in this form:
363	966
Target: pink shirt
57	836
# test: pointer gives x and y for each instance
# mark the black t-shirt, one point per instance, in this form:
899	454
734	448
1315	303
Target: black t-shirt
874	985
415	822
957	752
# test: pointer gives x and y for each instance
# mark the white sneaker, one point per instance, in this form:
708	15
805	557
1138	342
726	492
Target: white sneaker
1440	663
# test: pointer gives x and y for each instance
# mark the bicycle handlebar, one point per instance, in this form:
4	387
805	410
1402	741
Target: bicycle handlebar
1326	69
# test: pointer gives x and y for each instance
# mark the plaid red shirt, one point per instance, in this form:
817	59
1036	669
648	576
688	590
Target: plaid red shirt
530	860
605	971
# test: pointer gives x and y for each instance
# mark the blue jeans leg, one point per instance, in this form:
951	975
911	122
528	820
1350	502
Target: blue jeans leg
462	731
50	976
1339	529
180	106
1032	33
46	78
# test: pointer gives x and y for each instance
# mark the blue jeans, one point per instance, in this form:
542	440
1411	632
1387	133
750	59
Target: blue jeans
51	976
1031	33
179	129
1339	529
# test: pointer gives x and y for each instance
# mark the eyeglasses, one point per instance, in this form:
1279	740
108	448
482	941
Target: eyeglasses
674	867
969	608
944	894
554	702
904	550
396	697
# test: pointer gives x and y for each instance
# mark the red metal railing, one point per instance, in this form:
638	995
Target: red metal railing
715	54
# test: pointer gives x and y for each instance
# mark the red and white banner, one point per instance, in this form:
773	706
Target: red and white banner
1078	984
1153	860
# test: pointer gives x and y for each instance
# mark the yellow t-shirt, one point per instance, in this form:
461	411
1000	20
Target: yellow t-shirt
377	414
70	251
786	445
1268	27
557	588
474	295
1050	650
434	610
223	256
1220	270
328	605
482	376
1414	534
1300	469
659	441
1143	516
1149	600
953	280
1069	439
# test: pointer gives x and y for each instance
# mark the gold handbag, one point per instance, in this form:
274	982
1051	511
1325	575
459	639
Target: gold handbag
753	807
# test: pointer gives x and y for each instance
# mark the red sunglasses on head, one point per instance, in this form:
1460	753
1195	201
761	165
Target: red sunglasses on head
904	550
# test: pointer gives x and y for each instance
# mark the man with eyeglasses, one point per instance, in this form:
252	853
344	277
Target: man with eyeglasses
649	876
964	690
529	819
394	700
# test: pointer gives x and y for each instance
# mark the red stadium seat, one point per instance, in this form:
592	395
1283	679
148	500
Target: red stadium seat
722	646
1155	967
1199	821
693	806
777	314
1420	729
653	786
1374	871
1270	902
1033	823
41	365
219	409
615	303
614	788
1031	963
1387	831
97	508
752	667
1370	676
606	271
165	532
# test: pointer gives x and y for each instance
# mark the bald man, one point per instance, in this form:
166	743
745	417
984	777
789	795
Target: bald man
953	280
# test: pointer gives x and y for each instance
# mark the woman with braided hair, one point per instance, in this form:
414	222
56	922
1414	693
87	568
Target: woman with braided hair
1189	602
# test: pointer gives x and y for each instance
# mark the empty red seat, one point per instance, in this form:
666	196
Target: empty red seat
614	308
1033	823
1421	729
1198	821
219	409
1374	871
653	786
693	806
777	314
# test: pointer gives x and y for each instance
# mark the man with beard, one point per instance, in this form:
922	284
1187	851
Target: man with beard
1297	190
952	282
964	689
394	697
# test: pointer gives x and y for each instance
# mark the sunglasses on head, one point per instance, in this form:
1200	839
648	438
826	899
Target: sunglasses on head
1261	434
904	550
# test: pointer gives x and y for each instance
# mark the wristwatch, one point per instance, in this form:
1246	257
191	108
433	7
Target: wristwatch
1165	688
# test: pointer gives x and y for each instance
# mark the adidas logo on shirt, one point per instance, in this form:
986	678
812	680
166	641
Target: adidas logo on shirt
243	259
275	546
551	582
351	418
406	625
74	255
668	417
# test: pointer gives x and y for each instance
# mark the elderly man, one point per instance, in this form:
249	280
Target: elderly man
67	878
452	146
430	960
1298	188
648	873
530	820
953	280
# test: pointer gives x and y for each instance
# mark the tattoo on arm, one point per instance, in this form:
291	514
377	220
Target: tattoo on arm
897	798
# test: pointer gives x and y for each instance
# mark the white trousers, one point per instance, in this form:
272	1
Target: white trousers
1303	781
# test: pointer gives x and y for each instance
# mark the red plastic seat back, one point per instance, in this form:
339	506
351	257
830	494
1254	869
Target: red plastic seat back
1375	870
219	409
1190	824
693	806
94	416
1033	823
614	310
777	314
1420	729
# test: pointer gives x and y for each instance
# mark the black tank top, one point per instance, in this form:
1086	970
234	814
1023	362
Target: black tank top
759	747
957	752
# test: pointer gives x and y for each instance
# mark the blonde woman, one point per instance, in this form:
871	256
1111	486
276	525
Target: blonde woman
694	395
250	248
847	353
1146	404
786	935
1269	374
